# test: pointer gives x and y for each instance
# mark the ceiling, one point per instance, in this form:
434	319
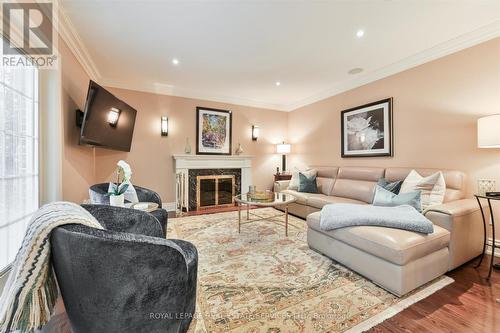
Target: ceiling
236	51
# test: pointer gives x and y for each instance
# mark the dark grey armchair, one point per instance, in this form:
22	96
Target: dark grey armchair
126	278
98	195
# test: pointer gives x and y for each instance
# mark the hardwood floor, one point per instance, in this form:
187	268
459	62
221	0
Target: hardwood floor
209	211
470	304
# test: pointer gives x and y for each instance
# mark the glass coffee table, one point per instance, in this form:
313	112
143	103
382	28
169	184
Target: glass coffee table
280	200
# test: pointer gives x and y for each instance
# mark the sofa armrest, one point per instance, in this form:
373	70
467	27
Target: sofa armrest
455	208
281	185
462	218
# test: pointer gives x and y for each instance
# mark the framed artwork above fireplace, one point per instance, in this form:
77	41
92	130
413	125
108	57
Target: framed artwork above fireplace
213	131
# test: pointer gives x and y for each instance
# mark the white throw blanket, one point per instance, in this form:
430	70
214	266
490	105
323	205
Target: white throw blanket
335	216
30	293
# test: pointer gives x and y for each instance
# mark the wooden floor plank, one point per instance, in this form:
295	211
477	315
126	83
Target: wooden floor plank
467	305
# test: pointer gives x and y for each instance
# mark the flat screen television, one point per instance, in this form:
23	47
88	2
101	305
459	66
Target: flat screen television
108	122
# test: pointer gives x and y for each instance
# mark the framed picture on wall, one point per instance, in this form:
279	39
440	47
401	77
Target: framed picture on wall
213	131
367	130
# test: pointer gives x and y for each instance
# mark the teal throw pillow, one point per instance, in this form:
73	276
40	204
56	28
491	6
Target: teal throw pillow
394	187
386	198
307	184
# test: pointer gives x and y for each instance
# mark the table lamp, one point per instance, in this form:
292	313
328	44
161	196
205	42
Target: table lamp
283	149
488	135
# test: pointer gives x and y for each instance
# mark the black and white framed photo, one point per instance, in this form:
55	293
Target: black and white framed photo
213	131
367	130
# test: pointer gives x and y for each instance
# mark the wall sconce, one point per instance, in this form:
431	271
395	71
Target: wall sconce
164	126
113	116
255	132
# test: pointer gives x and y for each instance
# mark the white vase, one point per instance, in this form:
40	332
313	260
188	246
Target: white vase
117	200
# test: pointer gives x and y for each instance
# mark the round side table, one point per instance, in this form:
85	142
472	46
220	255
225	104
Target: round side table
488	199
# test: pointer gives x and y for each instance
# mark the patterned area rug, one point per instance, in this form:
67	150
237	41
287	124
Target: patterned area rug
262	281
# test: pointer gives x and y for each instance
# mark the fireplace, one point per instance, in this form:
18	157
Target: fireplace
215	191
188	167
210	188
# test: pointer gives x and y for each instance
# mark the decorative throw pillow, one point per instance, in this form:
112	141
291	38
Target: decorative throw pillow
386	198
433	187
394	187
307	184
294	181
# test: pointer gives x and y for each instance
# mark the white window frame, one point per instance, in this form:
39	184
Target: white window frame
34	100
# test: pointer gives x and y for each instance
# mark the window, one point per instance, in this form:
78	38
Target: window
19	145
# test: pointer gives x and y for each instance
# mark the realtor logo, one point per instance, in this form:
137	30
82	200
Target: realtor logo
28	34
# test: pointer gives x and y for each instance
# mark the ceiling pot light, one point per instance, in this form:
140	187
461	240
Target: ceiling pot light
360	33
356	70
175	61
278	83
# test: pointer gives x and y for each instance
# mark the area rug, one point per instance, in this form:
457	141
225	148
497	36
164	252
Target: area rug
261	281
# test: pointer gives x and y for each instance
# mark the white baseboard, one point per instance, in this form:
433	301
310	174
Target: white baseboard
169	206
488	247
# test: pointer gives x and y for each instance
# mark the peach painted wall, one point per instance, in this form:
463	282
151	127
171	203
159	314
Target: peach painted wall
151	154
436	106
78	162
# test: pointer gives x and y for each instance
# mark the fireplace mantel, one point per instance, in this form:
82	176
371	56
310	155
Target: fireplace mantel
212	161
184	162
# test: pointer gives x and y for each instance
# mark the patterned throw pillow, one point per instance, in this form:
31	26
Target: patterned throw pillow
433	187
294	182
386	198
394	187
307	184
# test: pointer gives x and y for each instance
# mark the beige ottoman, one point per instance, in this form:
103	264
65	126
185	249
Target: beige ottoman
397	260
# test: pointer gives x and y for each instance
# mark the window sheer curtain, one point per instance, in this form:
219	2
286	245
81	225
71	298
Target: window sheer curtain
19	149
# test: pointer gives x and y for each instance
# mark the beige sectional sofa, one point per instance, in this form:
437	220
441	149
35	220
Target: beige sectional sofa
397	260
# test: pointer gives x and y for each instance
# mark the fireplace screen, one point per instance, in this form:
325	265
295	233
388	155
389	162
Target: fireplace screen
215	191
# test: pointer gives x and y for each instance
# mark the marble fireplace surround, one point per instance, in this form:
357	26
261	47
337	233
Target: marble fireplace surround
183	163
192	181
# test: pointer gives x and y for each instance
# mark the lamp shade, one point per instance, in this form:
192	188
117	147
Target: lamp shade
283	148
488	131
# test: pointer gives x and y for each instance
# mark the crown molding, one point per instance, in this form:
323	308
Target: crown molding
165	89
69	34
76	45
462	42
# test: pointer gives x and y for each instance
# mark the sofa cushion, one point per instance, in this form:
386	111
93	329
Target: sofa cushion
325	185
319	202
386	198
357	183
307	184
354	189
432	187
394	187
295	180
326	172
302	197
455	180
394	245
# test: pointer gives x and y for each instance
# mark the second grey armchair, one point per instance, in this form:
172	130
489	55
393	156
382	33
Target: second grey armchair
98	196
